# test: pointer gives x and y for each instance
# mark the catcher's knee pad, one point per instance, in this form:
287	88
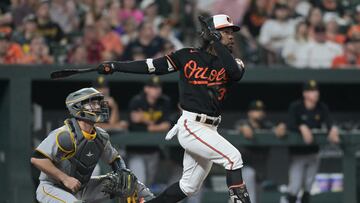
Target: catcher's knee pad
234	160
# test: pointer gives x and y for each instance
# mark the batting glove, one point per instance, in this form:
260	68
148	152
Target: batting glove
208	32
106	68
239	194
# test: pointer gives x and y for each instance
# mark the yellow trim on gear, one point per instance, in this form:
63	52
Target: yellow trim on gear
82	98
89	136
57	143
52	196
74	141
43	153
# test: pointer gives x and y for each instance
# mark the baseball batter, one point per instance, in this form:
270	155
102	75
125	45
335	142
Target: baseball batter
205	76
69	154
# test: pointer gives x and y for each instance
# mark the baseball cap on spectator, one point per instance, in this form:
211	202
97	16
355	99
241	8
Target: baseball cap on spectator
154	82
100	82
310	85
256	105
146	3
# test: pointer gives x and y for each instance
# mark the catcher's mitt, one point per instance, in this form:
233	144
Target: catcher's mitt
121	184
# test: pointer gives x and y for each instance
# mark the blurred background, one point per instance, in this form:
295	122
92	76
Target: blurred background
289	47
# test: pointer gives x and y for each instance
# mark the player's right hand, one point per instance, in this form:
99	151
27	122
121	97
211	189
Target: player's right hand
72	183
208	32
106	68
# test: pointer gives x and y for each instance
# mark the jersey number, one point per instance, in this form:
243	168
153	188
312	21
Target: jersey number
222	92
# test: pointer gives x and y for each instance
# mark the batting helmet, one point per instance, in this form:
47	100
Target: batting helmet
222	21
88	104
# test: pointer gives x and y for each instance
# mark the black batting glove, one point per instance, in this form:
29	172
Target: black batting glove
239	194
106	68
209	33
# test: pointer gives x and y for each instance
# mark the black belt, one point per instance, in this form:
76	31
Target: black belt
210	121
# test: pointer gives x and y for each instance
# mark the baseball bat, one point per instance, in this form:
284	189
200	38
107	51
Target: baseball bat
68	72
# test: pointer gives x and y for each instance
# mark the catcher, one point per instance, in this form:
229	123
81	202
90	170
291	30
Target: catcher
68	155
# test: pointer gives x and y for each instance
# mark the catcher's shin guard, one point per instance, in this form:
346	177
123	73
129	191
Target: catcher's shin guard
239	194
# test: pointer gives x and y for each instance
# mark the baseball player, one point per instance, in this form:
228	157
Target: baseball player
69	154
206	74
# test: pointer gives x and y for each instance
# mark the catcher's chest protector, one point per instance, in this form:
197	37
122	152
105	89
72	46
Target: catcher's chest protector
87	155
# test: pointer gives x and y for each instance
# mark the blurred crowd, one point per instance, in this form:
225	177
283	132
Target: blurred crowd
299	33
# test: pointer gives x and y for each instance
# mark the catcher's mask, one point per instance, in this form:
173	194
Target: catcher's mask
88	104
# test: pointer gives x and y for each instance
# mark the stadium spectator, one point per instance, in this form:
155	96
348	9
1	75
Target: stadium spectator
50	30
65	14
130	31
306	116
331	8
300	8
78	55
22	8
129	10
167	33
252	22
114	123
235	8
10	52
332	32
150	9
314	18
150	43
320	52
293	52
38	52
274	32
254	18
255	156
109	39
93	45
350	58
149	111
113	13
26	32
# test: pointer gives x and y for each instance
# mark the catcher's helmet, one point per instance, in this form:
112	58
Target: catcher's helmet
82	105
222	21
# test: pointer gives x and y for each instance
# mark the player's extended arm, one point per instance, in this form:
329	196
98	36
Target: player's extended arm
47	166
158	66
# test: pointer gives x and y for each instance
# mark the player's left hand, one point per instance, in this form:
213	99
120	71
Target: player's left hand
106	68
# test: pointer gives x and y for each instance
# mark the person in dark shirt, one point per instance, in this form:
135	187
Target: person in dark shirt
305	116
256	156
205	76
51	31
150	43
149	111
